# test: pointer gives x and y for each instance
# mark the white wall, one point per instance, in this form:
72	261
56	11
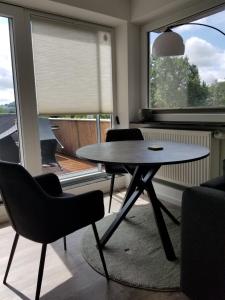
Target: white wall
97	11
134	80
127	72
160	11
115	8
121	49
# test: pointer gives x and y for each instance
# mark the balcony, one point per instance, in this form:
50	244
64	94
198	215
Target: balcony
73	134
68	133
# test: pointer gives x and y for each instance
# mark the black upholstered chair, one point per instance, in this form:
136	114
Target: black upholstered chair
40	211
49	143
203	243
8	147
9	141
114	135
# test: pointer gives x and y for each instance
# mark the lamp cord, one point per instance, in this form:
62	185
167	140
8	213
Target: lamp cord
201	24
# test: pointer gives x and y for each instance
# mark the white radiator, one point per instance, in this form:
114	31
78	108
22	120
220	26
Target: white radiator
188	174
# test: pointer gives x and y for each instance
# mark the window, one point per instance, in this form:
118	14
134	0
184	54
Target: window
196	79
73	78
9	138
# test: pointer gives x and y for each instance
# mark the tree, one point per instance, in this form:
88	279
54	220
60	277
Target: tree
217	94
197	92
176	83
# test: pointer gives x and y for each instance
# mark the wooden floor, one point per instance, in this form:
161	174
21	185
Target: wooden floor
68	164
67	276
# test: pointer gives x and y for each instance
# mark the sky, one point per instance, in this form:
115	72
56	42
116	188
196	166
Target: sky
205	47
6	79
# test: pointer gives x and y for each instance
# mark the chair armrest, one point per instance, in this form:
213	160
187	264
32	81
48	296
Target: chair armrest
203	243
50	184
88	205
216	183
70	213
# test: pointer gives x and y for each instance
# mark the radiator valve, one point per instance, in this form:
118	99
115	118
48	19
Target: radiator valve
219	134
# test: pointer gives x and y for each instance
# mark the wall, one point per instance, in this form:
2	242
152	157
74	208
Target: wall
97	11
116	8
159	11
130	51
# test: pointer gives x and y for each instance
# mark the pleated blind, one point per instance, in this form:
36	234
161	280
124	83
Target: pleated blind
73	68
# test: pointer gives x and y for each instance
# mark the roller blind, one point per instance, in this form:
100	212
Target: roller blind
73	68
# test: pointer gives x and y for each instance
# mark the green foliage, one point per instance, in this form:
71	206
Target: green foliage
217	94
9	108
175	83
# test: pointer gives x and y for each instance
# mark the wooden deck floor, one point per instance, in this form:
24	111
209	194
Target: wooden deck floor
68	164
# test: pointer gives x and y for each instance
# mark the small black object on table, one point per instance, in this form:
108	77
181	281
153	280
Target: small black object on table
147	162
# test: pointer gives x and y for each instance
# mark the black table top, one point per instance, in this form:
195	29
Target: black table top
137	153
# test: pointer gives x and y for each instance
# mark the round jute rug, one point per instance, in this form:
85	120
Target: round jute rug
134	254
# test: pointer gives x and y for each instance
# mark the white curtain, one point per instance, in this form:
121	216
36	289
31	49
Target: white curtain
73	68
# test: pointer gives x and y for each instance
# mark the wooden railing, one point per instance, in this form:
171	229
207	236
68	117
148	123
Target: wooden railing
76	133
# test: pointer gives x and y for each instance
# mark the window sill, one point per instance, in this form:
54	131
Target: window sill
83	179
204	126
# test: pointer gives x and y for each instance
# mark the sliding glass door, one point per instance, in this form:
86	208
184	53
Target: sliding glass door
55	90
73	79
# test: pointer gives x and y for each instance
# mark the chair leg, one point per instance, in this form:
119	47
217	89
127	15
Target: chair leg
41	270
111	191
60	167
64	242
11	257
100	251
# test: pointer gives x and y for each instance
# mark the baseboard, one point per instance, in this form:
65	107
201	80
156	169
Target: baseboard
103	185
165	192
3	215
168	194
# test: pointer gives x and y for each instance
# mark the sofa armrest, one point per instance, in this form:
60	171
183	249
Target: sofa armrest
216	183
203	243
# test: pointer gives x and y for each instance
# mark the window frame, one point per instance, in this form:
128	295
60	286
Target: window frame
199	114
25	81
24	86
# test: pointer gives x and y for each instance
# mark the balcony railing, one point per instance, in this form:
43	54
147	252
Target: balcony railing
73	134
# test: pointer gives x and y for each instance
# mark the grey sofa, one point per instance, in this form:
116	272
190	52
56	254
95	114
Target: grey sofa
203	242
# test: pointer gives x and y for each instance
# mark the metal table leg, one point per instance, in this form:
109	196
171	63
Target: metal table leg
167	244
131	196
142	179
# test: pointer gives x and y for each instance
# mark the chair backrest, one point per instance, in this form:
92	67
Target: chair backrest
113	135
9	151
45	129
6	122
130	134
25	201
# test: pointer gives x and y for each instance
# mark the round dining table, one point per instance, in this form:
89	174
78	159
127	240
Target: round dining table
142	159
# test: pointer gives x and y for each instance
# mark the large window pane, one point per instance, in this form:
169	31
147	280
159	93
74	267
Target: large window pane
9	141
73	77
60	137
195	79
73	72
